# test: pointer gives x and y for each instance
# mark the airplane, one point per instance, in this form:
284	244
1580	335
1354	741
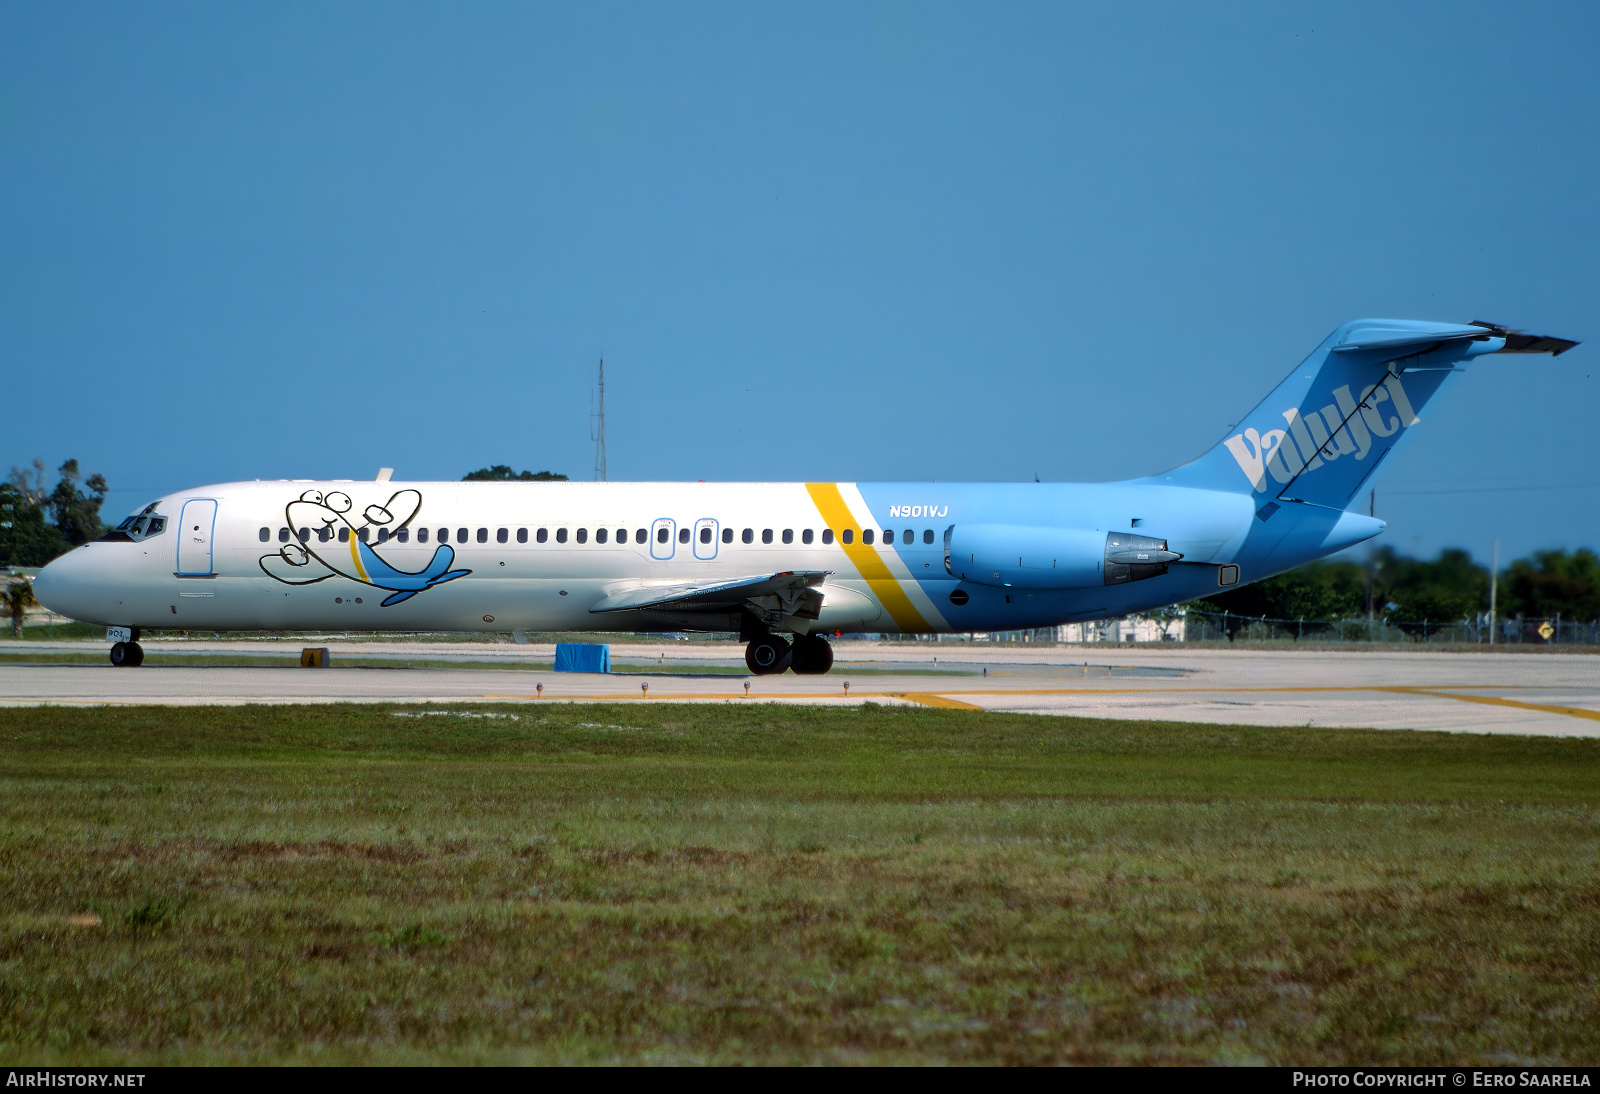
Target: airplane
786	565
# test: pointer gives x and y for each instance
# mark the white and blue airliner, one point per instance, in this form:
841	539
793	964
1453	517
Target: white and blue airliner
784	564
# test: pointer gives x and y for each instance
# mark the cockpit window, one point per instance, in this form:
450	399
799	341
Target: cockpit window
140	526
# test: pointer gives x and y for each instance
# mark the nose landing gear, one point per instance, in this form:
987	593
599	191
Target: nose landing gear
127	655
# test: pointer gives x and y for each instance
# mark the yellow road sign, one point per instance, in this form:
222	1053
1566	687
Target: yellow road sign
1546	630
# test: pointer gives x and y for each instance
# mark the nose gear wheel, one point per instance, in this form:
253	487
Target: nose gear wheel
127	655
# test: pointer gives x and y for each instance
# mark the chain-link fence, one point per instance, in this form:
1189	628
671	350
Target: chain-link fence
1192	626
1225	627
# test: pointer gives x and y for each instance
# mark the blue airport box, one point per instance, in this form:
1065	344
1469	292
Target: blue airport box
582	657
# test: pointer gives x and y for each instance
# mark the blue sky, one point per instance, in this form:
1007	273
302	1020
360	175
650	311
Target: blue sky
835	241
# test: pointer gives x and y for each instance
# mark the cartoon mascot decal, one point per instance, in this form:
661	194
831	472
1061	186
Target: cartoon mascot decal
325	544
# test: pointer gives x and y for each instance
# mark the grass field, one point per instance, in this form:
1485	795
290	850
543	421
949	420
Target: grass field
772	884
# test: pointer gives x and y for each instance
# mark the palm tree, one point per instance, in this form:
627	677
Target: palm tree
17	597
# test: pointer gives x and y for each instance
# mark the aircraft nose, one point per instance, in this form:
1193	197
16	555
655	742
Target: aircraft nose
49	584
60	585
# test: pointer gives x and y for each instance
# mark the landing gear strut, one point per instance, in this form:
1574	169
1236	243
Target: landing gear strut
127	655
812	655
767	655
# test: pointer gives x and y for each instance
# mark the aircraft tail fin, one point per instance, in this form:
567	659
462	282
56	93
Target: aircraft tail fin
1321	436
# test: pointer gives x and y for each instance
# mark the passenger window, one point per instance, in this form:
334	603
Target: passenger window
622	535
583	535
847	536
927	535
788	535
444	535
361	534
561	535
705	535
422	535
522	535
283	535
747	536
866	536
766	535
483	535
600	535
683	535
661	535
344	535
403	535
805	536
827	535
502	536
727	535
266	535
383	535
463	534
542	535
640	535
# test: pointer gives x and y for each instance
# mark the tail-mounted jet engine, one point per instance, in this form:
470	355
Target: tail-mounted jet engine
1023	557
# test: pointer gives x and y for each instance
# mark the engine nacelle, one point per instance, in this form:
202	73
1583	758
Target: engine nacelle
1025	557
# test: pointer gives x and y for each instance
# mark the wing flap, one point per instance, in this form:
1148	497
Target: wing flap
694	596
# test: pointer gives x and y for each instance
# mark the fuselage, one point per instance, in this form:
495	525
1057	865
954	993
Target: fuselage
520	556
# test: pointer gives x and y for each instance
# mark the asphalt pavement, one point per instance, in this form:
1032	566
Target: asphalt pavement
1546	692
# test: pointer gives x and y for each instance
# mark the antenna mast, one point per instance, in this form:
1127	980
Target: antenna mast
599	437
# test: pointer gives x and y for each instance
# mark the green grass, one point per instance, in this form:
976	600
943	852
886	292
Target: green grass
665	883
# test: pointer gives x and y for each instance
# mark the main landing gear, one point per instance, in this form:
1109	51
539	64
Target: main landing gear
127	655
808	655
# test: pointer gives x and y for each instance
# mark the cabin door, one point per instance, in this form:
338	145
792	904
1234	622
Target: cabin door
196	529
663	538
705	539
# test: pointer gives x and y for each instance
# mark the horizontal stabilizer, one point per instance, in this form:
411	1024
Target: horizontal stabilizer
697	596
1378	336
1520	341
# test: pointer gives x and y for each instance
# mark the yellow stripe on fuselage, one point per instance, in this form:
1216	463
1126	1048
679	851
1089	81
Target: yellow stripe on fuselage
836	515
355	558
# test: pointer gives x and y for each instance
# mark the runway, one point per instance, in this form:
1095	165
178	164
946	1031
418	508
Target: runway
1545	693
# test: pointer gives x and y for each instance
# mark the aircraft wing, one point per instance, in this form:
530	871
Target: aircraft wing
788	587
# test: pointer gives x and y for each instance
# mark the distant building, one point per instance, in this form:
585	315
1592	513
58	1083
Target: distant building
1133	628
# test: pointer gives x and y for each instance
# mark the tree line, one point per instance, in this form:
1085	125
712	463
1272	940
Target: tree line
1414	593
37	524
